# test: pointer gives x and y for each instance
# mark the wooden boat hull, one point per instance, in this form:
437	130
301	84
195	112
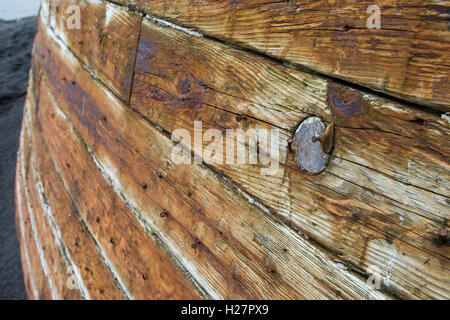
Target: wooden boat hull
105	212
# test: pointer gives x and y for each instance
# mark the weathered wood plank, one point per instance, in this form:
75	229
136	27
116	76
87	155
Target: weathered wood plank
149	261
57	265
204	220
368	192
30	292
39	282
97	279
30	286
146	269
106	40
408	57
259	89
50	251
34	277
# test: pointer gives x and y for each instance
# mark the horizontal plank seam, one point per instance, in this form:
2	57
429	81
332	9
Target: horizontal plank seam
435	254
208	294
393	178
87	147
276	217
295	66
113	93
231	112
85	227
149	230
352	128
22	230
93	75
105	258
255	201
34	232
266	210
49	216
392	133
174	26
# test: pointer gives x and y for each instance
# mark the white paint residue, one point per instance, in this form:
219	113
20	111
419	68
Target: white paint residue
174	26
340	266
97	2
49	215
149	227
249	198
110	11
409	169
22	232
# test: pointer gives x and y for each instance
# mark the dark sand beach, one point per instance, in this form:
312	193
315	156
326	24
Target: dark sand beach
16	41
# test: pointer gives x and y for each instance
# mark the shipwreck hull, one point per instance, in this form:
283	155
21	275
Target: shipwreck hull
104	212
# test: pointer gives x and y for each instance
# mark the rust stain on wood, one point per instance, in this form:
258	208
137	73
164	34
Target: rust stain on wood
346	103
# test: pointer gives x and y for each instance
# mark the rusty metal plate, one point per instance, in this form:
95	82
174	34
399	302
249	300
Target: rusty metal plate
309	154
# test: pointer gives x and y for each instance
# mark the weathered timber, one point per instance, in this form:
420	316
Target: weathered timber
30	286
79	245
98	190
357	200
206	224
58	266
36	277
133	255
106	40
408	57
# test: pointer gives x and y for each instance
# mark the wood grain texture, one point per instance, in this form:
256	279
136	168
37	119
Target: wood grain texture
38	287
196	228
407	58
28	275
97	188
375	189
56	261
52	252
147	270
60	229
150	274
106	41
78	244
36	277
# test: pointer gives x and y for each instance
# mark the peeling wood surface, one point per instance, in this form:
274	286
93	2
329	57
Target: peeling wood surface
97	188
408	57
